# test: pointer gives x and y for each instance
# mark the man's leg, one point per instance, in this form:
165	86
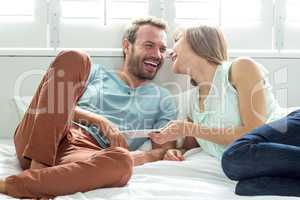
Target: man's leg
266	154
47	118
80	170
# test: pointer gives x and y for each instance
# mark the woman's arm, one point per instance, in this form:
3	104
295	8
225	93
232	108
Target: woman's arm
248	81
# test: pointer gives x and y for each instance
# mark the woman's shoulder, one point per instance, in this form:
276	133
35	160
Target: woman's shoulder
243	68
244	64
241	64
244	60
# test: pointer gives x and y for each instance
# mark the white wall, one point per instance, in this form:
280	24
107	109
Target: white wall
284	75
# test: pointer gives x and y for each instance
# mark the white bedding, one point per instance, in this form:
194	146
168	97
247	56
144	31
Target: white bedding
198	178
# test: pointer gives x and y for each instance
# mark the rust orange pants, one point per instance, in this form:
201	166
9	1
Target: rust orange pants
45	134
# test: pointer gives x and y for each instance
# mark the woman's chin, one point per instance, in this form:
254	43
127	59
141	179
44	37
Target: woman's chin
178	71
175	69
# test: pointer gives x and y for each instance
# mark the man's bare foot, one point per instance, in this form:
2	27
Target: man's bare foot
37	165
2	187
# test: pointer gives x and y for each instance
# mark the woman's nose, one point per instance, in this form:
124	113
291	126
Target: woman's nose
170	53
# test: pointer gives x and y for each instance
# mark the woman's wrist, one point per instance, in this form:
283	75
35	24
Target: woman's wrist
188	129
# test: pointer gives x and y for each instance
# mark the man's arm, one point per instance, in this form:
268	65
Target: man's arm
157	153
139	157
168	112
86	117
107	128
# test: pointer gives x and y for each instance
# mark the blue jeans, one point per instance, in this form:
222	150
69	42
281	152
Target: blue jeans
266	161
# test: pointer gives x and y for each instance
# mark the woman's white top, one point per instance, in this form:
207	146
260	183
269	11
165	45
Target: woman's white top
221	106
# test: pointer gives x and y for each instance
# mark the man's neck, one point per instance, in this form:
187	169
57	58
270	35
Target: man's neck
131	80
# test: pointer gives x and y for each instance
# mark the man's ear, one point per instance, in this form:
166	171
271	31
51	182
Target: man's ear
125	45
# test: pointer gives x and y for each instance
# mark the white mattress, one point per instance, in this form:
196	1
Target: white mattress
198	177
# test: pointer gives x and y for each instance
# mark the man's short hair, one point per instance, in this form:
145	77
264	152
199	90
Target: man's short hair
130	33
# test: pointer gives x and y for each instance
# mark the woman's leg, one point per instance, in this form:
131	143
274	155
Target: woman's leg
268	185
270	153
46	120
270	150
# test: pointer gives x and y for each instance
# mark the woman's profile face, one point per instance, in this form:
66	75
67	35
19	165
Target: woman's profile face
181	54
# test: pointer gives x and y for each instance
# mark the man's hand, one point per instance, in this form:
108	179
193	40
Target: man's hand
174	155
112	133
142	157
37	165
2	187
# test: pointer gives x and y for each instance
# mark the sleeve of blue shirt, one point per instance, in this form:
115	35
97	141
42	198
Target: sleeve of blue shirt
168	109
85	100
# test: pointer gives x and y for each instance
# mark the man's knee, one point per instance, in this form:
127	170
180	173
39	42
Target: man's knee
72	55
126	165
123	167
72	60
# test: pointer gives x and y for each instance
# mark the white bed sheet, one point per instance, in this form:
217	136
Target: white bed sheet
199	177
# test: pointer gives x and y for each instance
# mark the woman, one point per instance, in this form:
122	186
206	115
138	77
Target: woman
229	100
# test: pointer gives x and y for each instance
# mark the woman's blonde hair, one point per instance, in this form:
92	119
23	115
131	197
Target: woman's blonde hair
208	42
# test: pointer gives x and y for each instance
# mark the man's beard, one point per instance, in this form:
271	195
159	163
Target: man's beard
136	67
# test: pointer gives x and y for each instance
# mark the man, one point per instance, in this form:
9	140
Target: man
57	139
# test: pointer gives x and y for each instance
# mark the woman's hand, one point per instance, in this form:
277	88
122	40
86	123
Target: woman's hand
172	131
174	155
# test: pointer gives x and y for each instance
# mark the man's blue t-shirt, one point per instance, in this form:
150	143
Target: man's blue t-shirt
148	106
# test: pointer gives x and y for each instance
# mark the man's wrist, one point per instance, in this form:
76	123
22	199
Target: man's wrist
142	157
3	187
182	150
139	157
155	154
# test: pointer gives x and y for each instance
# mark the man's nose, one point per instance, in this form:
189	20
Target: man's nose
156	53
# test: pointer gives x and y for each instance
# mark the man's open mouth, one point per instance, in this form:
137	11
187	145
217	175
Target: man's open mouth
150	66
